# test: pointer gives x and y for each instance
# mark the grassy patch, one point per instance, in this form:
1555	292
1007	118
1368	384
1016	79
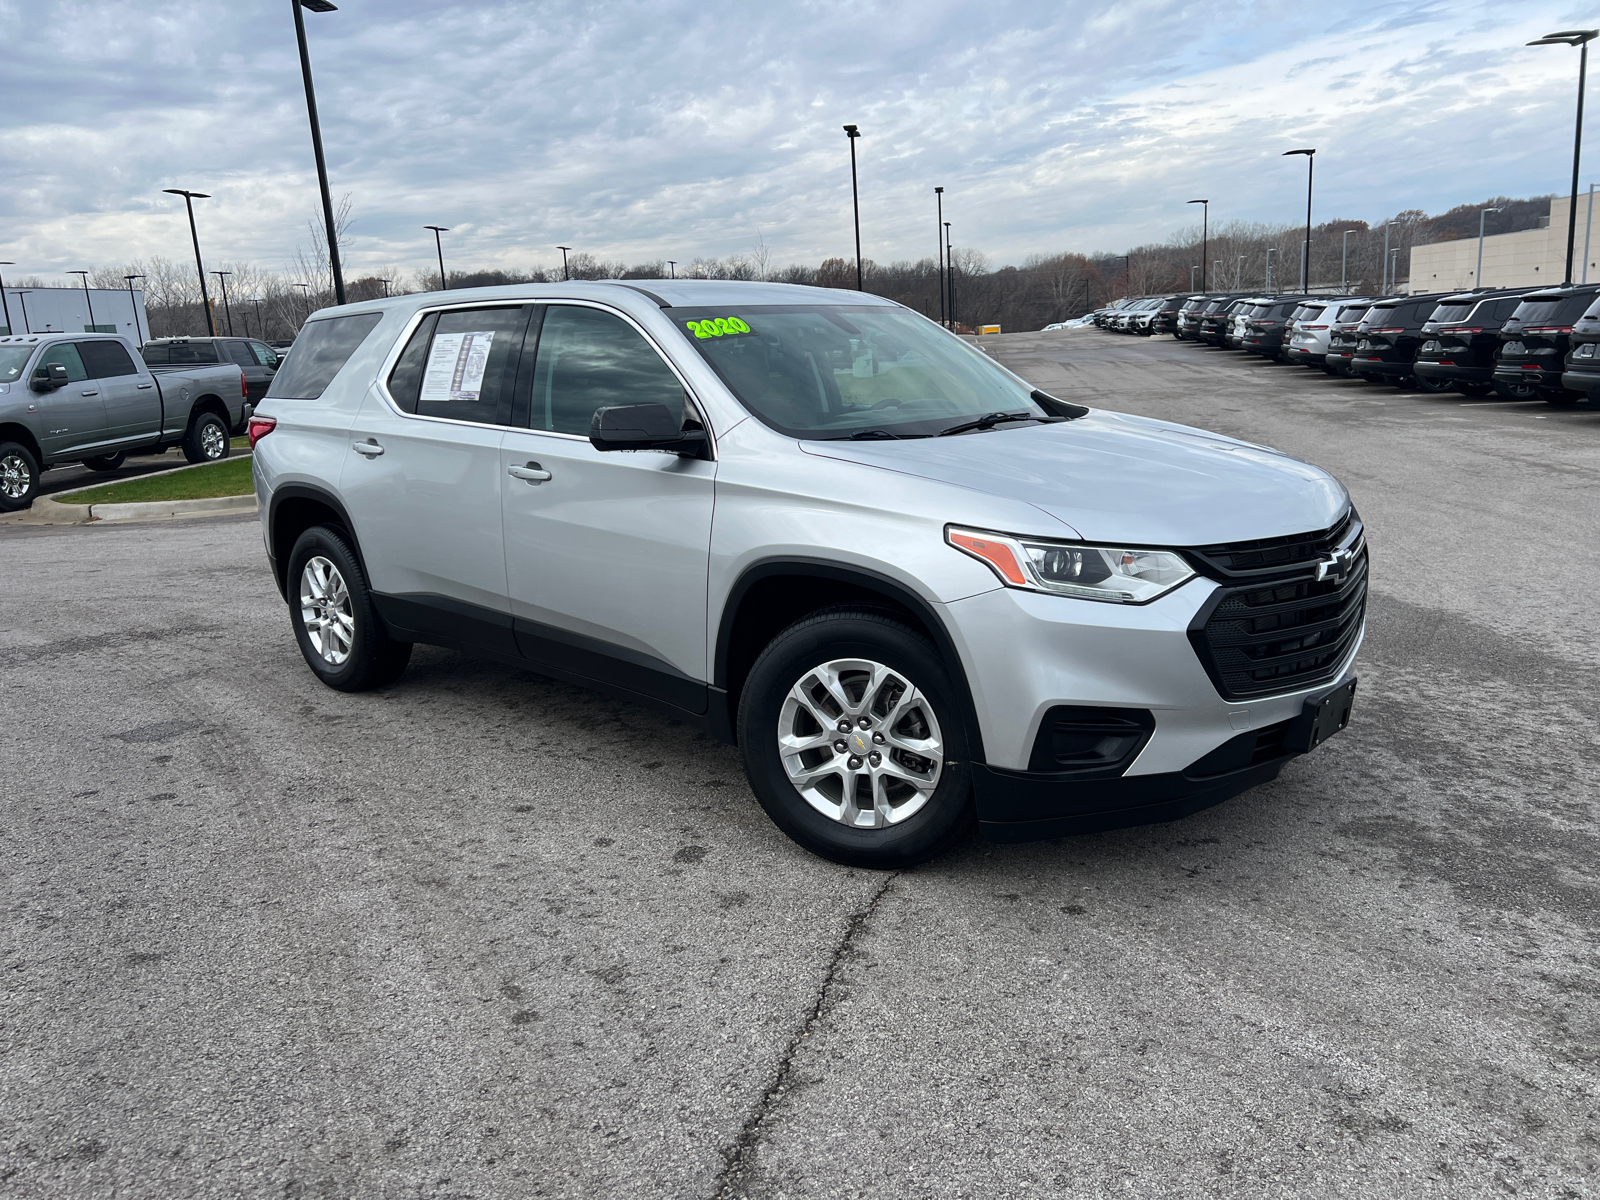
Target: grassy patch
230	477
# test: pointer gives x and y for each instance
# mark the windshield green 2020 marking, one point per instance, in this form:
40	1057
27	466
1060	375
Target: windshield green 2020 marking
717	327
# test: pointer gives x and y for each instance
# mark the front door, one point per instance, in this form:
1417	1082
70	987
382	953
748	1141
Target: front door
72	418
422	478
606	552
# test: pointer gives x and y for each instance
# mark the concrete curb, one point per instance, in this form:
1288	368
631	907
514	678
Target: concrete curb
160	510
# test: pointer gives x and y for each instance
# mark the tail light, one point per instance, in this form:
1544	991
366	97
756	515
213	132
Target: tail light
1394	329
1548	329
244	388
259	427
1313	326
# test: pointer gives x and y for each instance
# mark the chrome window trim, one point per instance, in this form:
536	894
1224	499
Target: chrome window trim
386	368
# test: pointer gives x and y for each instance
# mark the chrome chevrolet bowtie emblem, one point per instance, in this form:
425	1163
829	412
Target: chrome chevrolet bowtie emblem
1334	566
859	743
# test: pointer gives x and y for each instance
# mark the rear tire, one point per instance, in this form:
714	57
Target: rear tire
900	792
1432	386
19	477
1476	390
207	439
105	462
1516	391
330	606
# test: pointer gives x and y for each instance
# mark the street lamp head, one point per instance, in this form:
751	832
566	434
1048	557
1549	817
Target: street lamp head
190	195
938	190
319	5
1307	153
851	131
1197	201
1567	37
563	247
438	228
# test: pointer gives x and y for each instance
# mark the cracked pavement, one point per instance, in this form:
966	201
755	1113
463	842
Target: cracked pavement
487	935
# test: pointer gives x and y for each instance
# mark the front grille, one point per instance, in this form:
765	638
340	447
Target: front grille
1280	555
1268	638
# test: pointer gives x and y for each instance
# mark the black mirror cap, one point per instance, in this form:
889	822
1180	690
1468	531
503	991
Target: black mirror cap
49	377
644	427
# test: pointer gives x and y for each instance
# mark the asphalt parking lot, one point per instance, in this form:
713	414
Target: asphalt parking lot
486	935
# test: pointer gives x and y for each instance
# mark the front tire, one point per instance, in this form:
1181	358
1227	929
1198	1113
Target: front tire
19	477
343	641
207	439
900	790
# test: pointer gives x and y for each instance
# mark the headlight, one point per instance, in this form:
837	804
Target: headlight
1110	573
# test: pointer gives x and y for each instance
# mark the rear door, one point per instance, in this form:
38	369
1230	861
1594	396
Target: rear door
422	477
132	406
607	553
73	418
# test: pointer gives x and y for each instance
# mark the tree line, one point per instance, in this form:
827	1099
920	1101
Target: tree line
1046	288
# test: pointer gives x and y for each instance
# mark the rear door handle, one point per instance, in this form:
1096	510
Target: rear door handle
87	392
369	447
146	386
533	473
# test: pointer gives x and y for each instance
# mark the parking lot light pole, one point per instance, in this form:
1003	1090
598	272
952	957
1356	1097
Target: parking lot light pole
83	277
222	278
386	283
938	196
19	294
320	6
205	297
1305	253
950	274
305	290
1238	271
1205	230
1385	285
4	306
851	133
1192	270
1344	263
1477	277
566	271
1271	250
1581	39
444	284
257	301
1394	268
672	268
134	305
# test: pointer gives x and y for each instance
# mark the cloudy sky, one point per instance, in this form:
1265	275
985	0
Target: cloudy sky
674	129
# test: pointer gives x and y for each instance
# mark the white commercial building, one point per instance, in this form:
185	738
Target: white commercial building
1531	258
67	310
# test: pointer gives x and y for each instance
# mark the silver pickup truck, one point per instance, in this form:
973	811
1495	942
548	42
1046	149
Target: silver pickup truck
90	398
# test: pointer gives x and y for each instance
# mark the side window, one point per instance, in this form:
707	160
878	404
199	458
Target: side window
239	352
106	360
264	354
65	353
193	352
591	359
459	365
322	348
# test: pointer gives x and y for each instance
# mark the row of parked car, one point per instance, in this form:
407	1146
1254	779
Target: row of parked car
1521	343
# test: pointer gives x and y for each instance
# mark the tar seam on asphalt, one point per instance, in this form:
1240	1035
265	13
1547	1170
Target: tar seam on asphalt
736	1158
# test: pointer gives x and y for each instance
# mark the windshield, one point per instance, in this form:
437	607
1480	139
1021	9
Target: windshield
831	371
12	360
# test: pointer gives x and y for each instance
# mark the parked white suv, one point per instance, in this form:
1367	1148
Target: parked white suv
912	588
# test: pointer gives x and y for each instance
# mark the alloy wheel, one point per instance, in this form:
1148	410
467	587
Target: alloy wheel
860	743
213	440
325	610
15	477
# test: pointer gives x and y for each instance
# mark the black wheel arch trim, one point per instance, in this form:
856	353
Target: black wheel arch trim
303	491
864	577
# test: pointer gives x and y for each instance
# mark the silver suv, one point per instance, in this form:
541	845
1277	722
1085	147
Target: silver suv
913	589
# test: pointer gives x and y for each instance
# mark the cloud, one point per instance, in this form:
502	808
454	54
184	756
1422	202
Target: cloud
675	129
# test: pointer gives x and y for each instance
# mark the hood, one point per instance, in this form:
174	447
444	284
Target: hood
1112	477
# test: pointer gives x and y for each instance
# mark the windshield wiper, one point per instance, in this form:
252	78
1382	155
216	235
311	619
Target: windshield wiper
990	420
875	435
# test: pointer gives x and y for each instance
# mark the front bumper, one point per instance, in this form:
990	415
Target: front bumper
1026	654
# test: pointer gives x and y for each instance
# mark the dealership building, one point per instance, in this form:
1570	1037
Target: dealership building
1530	258
72	310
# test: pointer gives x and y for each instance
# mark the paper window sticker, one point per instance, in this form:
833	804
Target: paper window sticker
456	366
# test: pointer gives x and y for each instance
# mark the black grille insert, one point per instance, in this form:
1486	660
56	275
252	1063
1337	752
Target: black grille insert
1267	638
1235	560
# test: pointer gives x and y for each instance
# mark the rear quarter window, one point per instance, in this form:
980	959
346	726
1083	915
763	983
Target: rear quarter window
320	351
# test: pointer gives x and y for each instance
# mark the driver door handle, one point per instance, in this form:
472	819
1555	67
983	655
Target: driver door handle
369	447
533	473
89	392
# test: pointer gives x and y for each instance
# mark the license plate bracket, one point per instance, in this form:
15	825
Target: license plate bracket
1321	718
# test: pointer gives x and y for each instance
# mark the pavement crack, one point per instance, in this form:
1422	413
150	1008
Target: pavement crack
736	1157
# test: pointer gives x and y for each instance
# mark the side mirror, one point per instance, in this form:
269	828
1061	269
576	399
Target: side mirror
643	427
49	377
